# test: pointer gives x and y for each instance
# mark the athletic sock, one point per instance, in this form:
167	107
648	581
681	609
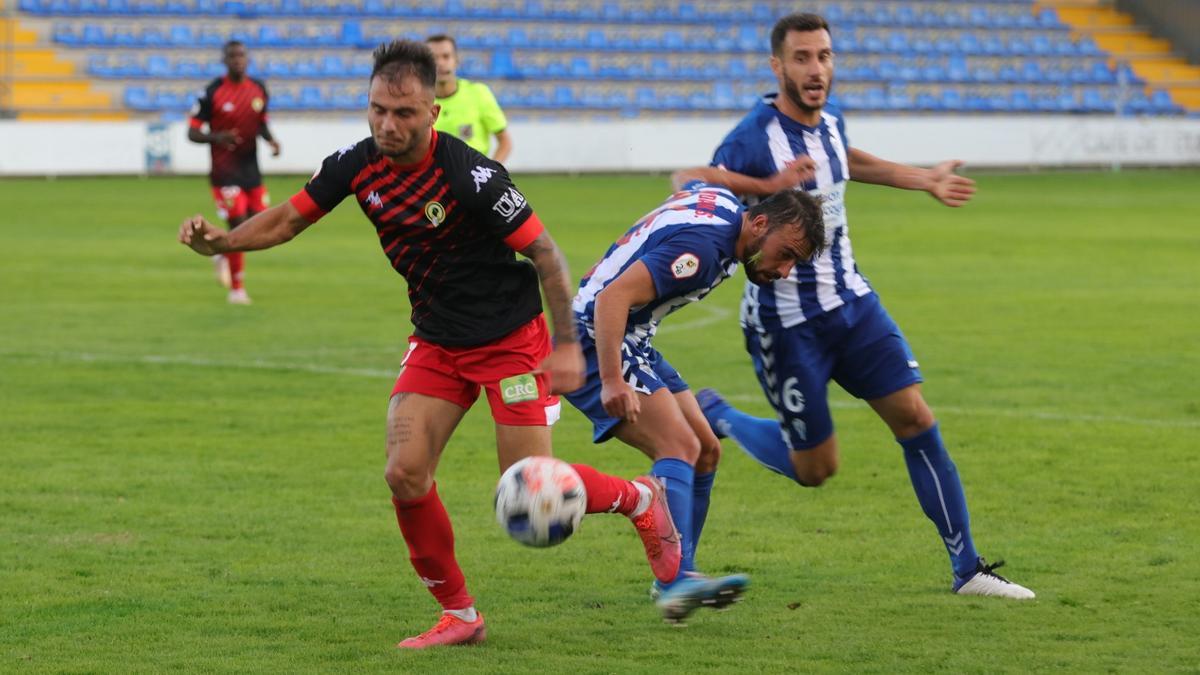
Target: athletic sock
677	477
608	494
759	437
469	614
939	490
430	538
237	262
701	492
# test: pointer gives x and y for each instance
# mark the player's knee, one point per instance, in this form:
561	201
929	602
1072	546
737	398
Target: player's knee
679	446
814	467
710	455
406	482
914	419
815	475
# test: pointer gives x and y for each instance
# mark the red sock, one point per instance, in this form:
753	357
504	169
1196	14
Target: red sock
607	494
237	262
430	538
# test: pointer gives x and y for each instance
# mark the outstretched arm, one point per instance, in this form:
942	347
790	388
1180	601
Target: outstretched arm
939	181
565	363
795	173
276	225
633	288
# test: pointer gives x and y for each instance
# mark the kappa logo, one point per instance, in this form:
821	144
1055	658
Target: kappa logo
430	583
482	175
509	204
686	265
228	107
374	200
342	151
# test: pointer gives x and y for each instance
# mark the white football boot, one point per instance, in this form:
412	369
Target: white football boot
986	582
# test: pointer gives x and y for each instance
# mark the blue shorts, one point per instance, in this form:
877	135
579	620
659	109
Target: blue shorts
645	370
857	345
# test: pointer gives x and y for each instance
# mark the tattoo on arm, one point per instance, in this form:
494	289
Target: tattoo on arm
552	270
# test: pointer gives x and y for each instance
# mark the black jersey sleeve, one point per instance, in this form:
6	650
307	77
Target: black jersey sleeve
203	107
331	183
492	201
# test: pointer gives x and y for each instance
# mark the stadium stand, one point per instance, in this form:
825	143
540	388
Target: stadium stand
601	57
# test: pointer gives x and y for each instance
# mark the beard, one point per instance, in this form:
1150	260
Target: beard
395	148
797	97
753	256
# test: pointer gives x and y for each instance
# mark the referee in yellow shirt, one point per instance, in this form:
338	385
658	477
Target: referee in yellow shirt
469	110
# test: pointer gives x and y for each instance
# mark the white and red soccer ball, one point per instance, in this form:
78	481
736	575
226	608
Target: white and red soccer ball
540	501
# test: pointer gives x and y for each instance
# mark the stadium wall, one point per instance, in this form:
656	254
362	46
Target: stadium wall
97	148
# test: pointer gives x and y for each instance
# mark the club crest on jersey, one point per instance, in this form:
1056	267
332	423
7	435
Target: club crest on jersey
257	104
482	175
435	212
466	131
686	265
509	204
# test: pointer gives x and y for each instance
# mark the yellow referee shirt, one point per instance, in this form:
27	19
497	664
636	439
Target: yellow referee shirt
472	114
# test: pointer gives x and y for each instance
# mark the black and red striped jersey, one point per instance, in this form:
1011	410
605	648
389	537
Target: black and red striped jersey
239	106
449	224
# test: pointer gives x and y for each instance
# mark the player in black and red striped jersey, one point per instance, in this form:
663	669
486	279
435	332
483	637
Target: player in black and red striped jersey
449	219
234	108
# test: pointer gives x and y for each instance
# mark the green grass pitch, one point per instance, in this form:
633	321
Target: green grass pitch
191	486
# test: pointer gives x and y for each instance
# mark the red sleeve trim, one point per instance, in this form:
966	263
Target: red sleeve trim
195	123
526	233
307	207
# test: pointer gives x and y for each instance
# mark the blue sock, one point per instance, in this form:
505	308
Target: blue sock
759	437
701	491
935	480
677	476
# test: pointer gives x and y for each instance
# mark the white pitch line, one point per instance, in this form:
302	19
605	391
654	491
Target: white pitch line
260	364
716	314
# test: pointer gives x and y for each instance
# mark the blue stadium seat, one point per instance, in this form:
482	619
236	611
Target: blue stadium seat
157	65
927	101
952	99
138	98
332	65
277	68
957	69
1020	100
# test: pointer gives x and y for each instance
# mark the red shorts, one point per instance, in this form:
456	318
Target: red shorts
235	202
503	368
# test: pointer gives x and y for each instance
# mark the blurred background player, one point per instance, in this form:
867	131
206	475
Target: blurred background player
469	109
449	221
234	108
823	321
675	255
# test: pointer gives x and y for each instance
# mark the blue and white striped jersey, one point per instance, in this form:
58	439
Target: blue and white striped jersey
762	144
687	244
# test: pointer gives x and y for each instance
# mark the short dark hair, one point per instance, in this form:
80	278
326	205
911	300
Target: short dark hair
400	58
800	22
796	208
442	37
230	45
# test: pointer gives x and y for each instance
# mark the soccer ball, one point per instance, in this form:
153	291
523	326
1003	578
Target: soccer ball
540	501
